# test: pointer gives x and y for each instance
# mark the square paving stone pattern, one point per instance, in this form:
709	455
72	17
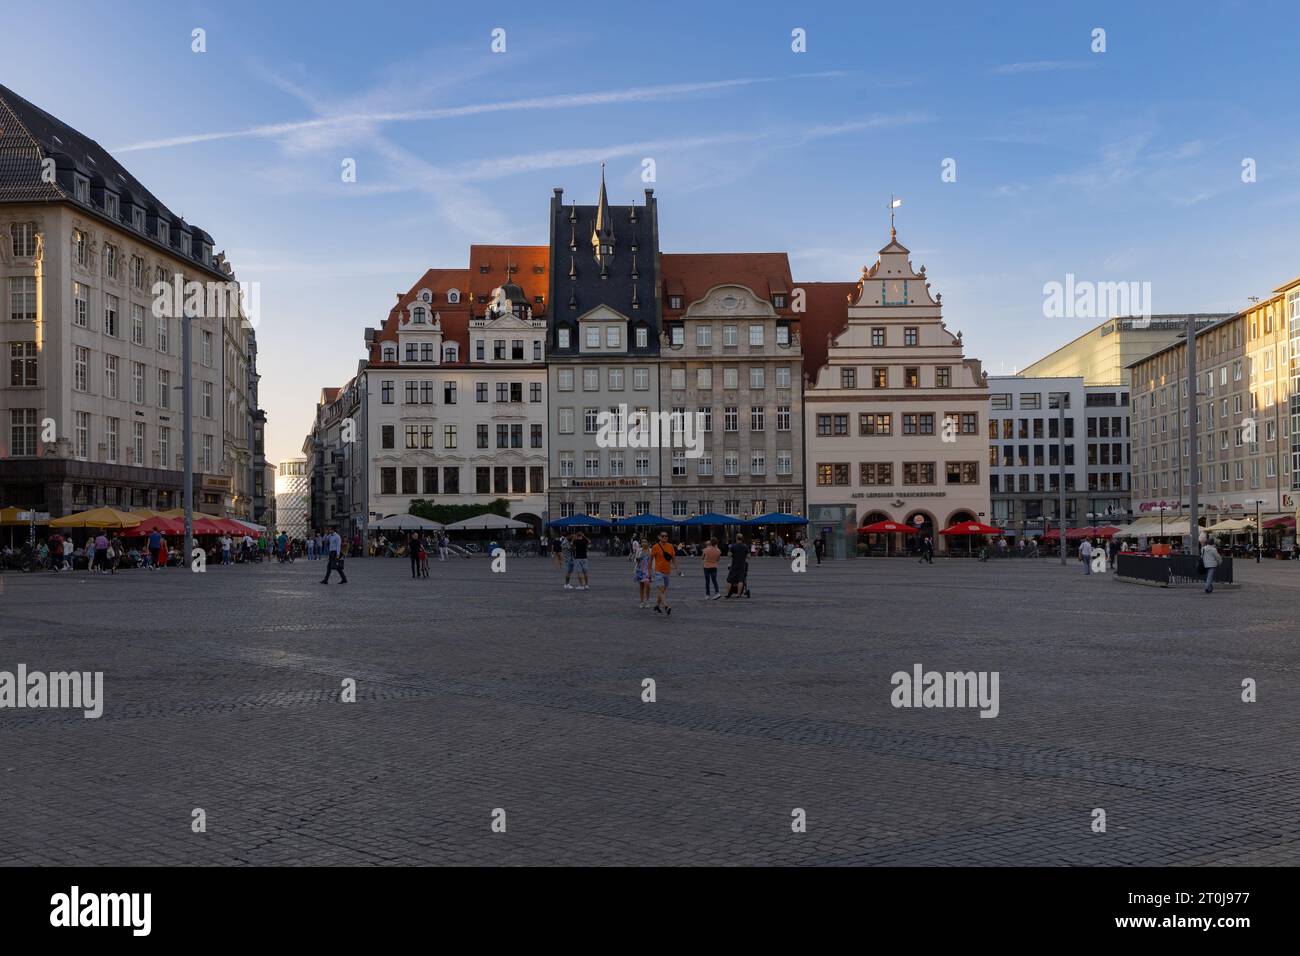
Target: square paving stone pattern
479	691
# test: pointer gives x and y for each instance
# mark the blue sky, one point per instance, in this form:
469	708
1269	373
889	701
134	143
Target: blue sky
1118	166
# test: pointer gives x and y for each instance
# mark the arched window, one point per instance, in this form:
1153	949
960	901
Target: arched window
419	314
390	352
451	352
453	296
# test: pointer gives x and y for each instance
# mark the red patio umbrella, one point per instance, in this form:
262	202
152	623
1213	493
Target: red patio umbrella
207	526
161	525
886	527
1286	521
971	527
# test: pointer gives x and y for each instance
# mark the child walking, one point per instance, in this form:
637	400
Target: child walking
642	572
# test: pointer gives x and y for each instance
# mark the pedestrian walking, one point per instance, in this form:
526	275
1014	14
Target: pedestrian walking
334	557
642	571
1085	555
738	573
580	544
564	559
1210	561
709	561
664	556
413	551
927	550
819	547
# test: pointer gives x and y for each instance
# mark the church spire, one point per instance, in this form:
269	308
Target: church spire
602	233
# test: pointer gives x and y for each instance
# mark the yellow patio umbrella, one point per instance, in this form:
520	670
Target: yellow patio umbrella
180	513
96	518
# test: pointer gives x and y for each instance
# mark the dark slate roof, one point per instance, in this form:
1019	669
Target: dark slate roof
28	134
577	284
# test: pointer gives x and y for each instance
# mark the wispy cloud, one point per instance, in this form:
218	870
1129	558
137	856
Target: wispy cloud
642	94
1042	66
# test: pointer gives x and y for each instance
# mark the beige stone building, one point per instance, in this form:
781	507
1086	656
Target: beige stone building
731	356
91	409
1241	412
1103	354
894	411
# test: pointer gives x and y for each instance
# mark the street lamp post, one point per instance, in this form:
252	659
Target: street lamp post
1259	543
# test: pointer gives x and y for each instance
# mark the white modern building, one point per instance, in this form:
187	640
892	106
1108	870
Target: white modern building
1027	443
292	498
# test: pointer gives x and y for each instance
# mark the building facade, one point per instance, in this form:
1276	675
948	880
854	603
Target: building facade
455	388
731	356
603	341
1243	414
894	411
1103	354
91	409
1027	443
292	498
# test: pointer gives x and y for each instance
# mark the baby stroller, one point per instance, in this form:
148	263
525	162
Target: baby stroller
738	580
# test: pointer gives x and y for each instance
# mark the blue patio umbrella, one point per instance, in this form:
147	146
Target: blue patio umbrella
711	518
644	521
580	521
777	517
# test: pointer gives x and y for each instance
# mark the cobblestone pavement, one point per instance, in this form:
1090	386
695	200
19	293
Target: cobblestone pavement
478	691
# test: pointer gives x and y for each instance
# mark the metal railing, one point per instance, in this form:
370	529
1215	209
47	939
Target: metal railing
1171	569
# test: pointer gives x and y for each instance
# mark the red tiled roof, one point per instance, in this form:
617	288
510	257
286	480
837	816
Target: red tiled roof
455	318
531	265
692	275
826	313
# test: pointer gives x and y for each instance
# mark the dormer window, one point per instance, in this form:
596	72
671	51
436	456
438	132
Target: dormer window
453	296
164	233
482	270
137	219
185	244
419	315
778	302
674	302
81	187
451	352
110	205
390	352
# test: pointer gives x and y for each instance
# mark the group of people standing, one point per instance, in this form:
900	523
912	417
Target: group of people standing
418	547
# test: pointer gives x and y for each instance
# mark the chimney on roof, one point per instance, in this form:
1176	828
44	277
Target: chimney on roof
559	192
649	195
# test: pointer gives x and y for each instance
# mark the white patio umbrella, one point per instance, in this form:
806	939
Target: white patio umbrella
405	523
488	522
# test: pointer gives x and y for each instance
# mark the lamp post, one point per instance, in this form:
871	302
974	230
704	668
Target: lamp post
1161	509
1259	544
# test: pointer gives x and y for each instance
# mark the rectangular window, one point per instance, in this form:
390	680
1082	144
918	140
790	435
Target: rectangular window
448	436
756	418
704	336
876	423
756	378
22	364
80	368
880	377
942	376
910	336
111	426
848	378
110	316
163	340
755	336
911	377
640	379
22	299
783	418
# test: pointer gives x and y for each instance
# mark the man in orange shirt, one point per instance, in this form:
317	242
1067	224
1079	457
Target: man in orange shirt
664	556
710	564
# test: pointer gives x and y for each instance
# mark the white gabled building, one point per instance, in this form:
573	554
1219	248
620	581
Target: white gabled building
894	411
455	389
